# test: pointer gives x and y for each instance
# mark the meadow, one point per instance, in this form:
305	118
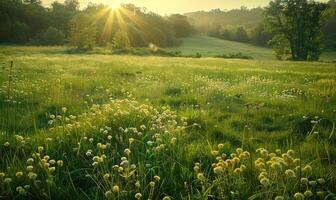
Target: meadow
126	127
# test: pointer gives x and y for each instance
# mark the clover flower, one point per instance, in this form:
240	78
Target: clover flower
115	189
279	198
299	196
200	176
138	195
109	194
308	193
19	174
265	182
166	198
290	173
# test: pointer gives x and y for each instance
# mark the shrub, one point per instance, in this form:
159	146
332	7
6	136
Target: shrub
121	41
238	55
51	36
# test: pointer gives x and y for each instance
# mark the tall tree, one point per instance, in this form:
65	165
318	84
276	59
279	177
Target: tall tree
300	23
82	32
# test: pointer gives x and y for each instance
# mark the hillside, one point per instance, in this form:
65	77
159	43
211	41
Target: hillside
209	46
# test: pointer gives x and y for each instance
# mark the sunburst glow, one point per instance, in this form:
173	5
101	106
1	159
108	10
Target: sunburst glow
114	4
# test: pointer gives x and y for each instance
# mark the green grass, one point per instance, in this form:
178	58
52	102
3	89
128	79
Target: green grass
209	47
175	115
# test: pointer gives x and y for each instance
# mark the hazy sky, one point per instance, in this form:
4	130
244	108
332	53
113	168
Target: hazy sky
179	6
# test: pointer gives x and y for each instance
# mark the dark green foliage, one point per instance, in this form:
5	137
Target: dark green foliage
181	25
300	23
329	28
51	36
238	55
232	33
260	35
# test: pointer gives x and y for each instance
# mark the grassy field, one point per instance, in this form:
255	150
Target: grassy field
209	47
127	127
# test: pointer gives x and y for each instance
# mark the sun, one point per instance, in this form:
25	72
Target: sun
114	4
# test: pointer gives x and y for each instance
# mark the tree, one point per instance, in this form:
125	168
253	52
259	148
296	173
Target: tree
241	35
181	25
299	23
121	40
82	32
260	36
52	36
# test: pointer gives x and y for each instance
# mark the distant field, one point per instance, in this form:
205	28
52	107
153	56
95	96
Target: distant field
117	127
209	46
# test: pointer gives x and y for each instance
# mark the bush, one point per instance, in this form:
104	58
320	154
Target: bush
121	41
82	33
51	36
238	55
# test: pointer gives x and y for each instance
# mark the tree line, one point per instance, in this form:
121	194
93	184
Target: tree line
296	29
29	22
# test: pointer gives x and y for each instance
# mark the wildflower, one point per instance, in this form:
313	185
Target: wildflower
152	184
51	169
215	153
279	198
109	137
264	152
127	151
321	181
7	180
239	150
60	163
304	181
312	183
2	174
52	162
308	193
157	178
106	177
64	109
290	173
6	144
299	196
290	152
238	170
196	168
115	189
19	174
88	153
95	164
218	170
109	194
173	140
30	161
200	176
307	169
137	184
166	198
138	195
265	182
220	146
20	190
40	149
32	175
130	140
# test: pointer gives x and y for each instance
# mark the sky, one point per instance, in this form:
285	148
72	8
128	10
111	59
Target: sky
179	6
